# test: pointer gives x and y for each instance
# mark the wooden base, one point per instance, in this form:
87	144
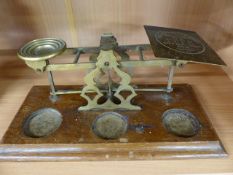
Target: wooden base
75	140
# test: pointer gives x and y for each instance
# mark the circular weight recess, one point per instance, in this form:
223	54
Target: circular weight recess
180	122
110	125
42	122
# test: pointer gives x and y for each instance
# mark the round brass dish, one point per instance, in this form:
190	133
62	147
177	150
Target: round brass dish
110	125
181	122
42	49
42	122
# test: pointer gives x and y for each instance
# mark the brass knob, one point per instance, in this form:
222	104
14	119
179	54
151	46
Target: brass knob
41	49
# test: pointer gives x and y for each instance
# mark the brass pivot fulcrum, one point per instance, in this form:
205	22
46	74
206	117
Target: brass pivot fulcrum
107	62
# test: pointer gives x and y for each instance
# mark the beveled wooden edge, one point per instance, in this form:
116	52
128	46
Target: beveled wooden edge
111	151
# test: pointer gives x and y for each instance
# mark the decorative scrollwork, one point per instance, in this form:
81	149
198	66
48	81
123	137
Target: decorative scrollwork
107	61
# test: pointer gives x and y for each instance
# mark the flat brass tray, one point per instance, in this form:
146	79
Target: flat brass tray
180	44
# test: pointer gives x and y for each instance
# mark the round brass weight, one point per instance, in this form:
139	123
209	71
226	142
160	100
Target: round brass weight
42	49
110	125
180	122
42	122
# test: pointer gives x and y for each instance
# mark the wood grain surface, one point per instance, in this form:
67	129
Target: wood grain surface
75	140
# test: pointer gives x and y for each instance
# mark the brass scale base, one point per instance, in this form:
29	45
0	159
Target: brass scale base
75	139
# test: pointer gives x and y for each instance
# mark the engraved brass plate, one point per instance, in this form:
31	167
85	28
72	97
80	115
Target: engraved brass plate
181	45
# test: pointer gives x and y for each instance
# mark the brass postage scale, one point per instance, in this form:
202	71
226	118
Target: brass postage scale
109	118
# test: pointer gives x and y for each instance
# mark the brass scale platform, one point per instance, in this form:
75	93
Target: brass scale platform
113	120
